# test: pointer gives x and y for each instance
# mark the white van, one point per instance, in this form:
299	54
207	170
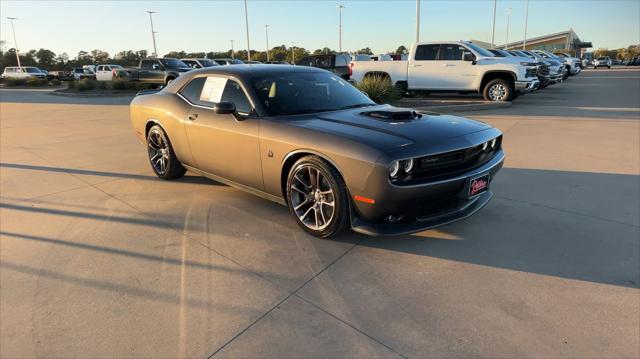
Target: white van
106	72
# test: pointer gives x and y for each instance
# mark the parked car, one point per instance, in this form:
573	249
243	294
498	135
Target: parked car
338	64
568	66
227	61
573	64
154	71
23	72
253	62
199	63
305	138
107	72
557	70
455	67
83	73
542	68
603	61
47	75
276	63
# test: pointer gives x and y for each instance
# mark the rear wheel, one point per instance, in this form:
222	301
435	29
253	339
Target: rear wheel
317	197
163	160
498	90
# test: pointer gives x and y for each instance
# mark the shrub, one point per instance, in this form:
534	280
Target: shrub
379	88
86	85
12	82
120	84
56	82
34	82
72	85
102	85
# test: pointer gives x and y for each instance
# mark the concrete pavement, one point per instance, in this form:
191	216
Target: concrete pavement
98	258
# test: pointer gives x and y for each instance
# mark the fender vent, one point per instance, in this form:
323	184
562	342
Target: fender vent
396	115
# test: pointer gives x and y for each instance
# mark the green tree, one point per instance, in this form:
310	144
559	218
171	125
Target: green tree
46	58
365	51
401	50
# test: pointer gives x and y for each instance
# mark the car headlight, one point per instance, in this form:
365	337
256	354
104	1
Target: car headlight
493	143
529	64
408	165
485	146
394	169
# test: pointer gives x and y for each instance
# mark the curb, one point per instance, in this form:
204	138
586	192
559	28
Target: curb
91	95
465	107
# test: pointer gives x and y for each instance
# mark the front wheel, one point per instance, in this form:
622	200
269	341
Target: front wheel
317	197
163	160
498	90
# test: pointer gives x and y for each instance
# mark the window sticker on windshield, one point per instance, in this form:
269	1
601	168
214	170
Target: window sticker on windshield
212	89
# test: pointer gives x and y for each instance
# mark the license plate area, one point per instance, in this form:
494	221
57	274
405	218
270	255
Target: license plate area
478	185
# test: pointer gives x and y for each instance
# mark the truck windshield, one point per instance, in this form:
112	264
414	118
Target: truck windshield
173	63
480	50
307	92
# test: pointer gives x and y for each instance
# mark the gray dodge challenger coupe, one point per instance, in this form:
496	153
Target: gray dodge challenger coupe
307	139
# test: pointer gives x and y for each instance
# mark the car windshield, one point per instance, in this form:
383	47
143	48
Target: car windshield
307	92
207	63
480	50
32	70
173	63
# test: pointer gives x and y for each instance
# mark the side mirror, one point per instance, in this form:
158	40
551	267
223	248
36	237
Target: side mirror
468	56
224	108
155	67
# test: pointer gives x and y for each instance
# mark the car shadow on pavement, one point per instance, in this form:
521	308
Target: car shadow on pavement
44	96
82	172
585	229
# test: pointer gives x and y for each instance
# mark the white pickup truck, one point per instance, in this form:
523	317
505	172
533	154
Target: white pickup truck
454	67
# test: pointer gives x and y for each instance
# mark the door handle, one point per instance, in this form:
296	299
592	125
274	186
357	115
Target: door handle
193	117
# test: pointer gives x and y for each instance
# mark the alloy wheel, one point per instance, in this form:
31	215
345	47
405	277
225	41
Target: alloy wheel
158	152
498	92
312	197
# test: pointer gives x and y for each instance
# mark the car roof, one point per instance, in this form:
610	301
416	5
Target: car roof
243	72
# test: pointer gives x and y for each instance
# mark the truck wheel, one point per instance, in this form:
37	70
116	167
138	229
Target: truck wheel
169	80
498	90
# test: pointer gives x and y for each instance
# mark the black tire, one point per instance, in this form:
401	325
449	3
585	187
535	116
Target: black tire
169	79
162	158
609	67
307	195
498	90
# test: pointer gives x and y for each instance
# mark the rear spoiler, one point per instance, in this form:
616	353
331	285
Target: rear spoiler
148	92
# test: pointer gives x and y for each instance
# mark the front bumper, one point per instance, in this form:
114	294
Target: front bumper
407	200
527	86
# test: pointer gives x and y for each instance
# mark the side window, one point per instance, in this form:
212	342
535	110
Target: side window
452	52
233	93
147	64
427	52
193	89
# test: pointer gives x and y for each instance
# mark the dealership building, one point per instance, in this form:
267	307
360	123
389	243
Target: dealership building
566	41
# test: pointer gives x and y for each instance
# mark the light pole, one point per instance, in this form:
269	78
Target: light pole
266	32
153	32
526	19
417	21
15	42
293	54
246	23
340	7
493	33
233	55
506	42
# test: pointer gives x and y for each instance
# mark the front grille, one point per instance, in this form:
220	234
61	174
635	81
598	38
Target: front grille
531	72
452	163
543	70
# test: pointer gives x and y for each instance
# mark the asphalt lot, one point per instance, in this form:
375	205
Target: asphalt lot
98	258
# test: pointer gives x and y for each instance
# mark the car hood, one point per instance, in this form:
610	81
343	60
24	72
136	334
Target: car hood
367	126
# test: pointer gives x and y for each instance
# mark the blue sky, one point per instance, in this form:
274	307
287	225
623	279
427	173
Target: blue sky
71	26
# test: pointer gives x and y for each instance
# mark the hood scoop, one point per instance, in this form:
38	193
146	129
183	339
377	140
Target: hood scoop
393	115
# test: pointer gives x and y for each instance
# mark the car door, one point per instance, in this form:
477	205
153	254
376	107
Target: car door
100	73
424	71
457	74
225	145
